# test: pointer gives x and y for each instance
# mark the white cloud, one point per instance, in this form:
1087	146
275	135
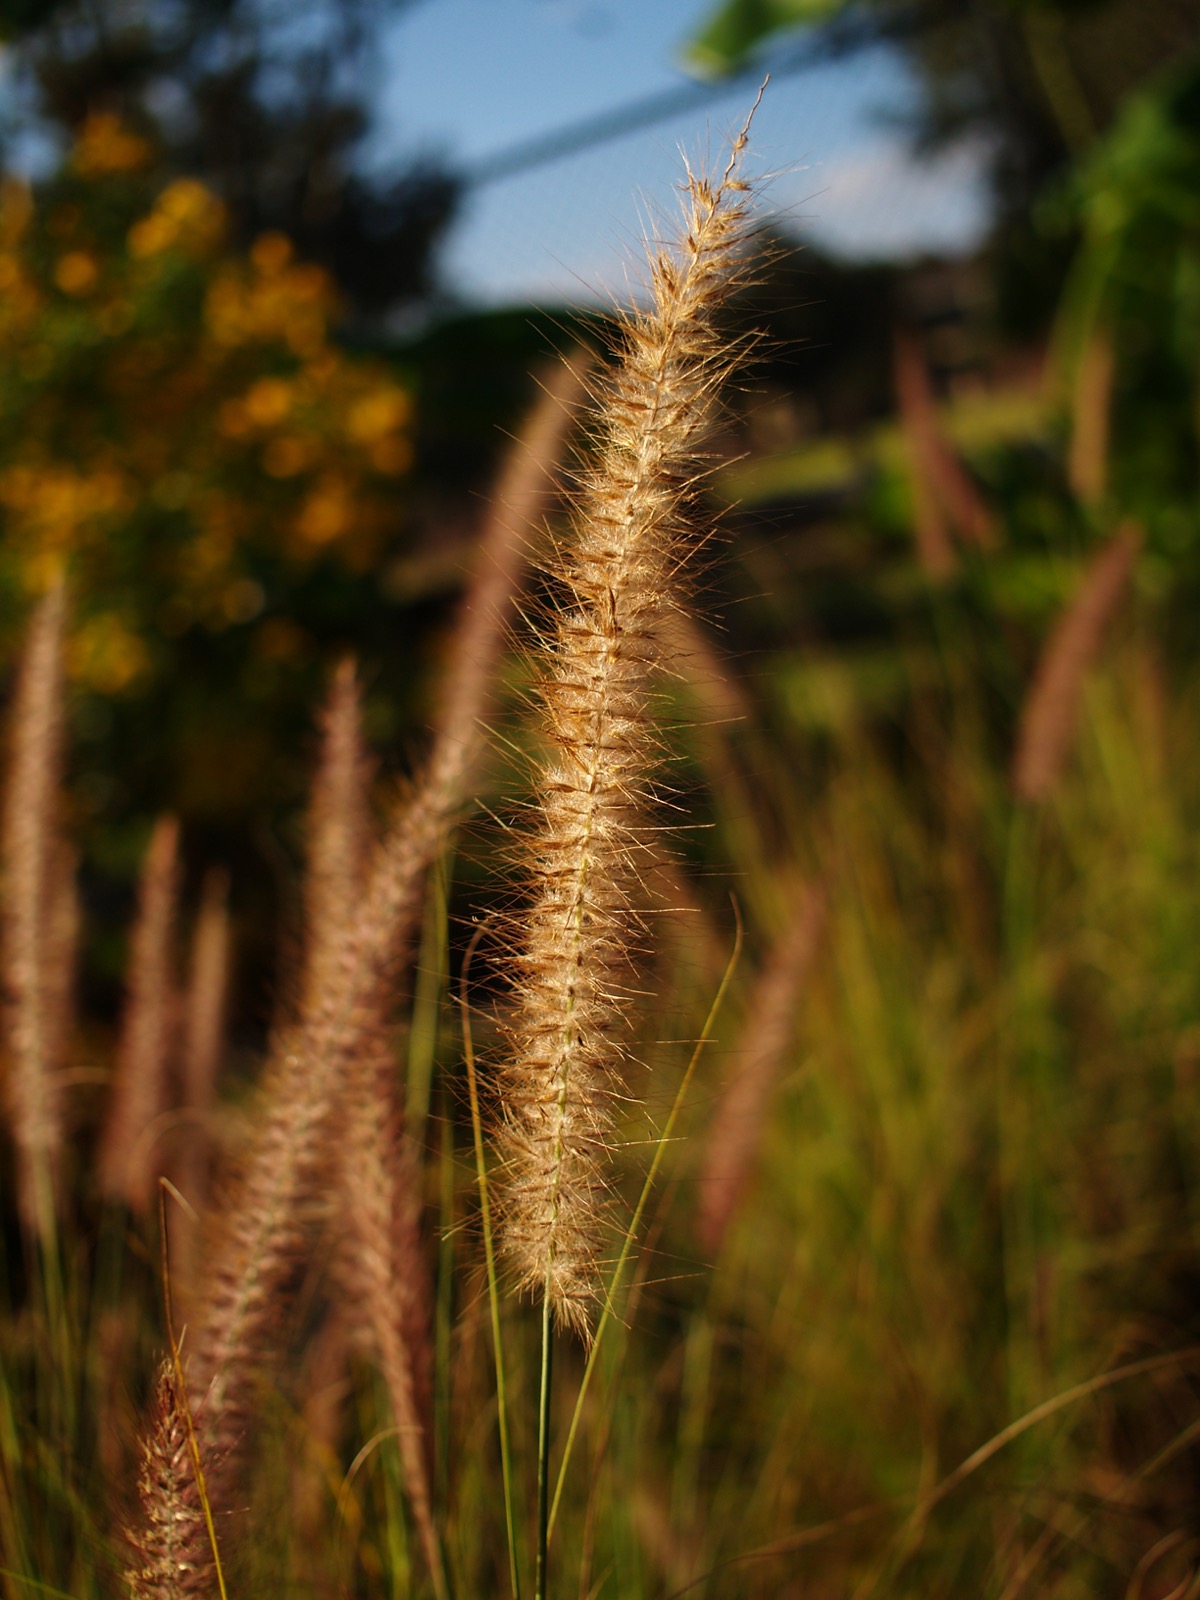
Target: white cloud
882	202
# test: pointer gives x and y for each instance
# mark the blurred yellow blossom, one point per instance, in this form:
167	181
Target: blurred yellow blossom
150	234
380	412
177	422
104	145
284	458
271	252
326	513
75	273
392	455
267	403
186	215
16	209
105	655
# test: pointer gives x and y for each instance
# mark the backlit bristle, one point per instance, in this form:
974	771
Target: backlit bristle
173	1553
35	913
129	1157
590	844
1051	711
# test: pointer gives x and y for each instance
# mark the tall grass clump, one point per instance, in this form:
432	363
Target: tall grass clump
592	838
36	958
866	1268
592	841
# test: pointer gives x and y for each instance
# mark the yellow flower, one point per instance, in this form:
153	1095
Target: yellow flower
378	414
392	455
185	213
284	458
151	234
105	655
271	252
16	209
105	145
326	514
268	402
76	272
17	487
185	200
305	333
232	421
224	312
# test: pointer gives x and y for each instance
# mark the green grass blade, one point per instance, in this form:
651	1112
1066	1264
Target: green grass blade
490	1255
635	1222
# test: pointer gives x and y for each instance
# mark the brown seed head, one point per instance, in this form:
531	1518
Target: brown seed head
589	843
1048	719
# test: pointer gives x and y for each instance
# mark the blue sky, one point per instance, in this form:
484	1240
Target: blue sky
465	79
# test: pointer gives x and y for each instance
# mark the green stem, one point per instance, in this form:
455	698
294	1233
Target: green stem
631	1232
543	1470
493	1287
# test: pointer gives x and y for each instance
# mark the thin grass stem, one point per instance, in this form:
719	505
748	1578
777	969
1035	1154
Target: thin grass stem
444	1311
639	1210
543	1465
490	1257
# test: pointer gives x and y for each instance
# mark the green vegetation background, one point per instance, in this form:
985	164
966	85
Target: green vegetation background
974	1194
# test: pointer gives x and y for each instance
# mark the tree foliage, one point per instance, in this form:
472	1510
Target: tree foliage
267	104
219	478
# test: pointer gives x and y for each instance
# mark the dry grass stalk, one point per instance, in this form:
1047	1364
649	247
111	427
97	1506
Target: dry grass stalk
322	1084
63	925
524	492
201	1051
1091	407
943	491
380	1258
317	1468
740	1120
384	1265
204	1012
262	1232
129	1162
931	530
173	1552
590	836
387	1280
1046	735
263	1228
339	831
36	914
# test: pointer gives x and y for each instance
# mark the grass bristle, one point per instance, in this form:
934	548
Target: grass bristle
36	913
589	843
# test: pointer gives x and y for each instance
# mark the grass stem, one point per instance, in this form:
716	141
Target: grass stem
639	1211
543	1468
490	1257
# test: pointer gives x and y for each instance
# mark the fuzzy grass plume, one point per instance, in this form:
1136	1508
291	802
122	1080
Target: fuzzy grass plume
129	1161
323	1068
1048	719
339	831
740	1121
590	840
172	1549
31	919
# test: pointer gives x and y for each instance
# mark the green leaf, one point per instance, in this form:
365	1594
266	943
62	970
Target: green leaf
731	35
